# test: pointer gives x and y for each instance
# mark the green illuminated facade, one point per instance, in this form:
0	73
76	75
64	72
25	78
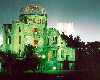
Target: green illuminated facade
31	28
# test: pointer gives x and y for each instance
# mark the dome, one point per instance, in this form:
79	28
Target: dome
33	9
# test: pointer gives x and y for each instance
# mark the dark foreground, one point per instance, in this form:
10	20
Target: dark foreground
72	75
69	75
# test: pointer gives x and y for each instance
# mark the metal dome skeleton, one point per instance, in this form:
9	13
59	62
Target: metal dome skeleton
33	9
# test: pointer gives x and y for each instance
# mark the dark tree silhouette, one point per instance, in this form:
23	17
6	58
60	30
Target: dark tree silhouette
72	42
87	56
31	61
16	66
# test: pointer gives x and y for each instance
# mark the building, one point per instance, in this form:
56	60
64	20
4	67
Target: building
31	28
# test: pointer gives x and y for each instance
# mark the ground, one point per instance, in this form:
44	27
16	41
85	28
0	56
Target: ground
67	75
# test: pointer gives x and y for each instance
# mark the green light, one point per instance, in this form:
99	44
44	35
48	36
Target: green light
54	68
43	56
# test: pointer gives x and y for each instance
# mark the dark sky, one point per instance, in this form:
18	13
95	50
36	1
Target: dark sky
85	14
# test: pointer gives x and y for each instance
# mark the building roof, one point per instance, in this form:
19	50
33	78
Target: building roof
33	9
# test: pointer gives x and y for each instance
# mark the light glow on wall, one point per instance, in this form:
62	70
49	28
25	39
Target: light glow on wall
43	56
54	68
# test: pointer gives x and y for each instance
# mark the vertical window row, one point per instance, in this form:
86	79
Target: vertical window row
19	36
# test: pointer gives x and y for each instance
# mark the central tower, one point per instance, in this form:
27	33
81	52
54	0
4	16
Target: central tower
29	29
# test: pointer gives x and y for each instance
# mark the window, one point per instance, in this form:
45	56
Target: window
6	40
67	57
19	39
62	53
34	30
25	19
9	39
53	39
48	41
35	42
19	52
9	27
38	35
19	29
55	53
61	42
56	39
9	30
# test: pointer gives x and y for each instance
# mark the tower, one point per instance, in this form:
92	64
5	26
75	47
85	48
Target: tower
29	29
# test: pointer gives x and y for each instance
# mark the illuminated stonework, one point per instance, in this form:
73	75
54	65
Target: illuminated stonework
33	9
31	28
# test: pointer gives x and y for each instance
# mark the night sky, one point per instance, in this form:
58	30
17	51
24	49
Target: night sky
85	14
